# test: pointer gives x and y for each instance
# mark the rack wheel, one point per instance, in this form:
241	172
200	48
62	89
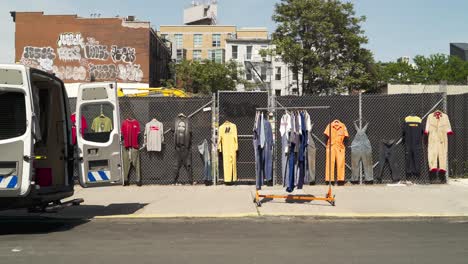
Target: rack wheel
254	201
259	204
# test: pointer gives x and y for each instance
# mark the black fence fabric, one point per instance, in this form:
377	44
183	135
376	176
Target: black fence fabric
458	143
384	113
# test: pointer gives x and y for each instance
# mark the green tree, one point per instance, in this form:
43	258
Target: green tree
322	41
433	69
208	76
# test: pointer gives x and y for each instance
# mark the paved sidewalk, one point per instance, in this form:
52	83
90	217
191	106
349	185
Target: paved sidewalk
449	200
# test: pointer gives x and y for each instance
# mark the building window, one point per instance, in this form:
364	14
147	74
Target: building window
234	52
278	73
294	76
216	55
248	74
249	52
197	40
197	55
216	40
180	55
263	73
265	48
179	40
278	92
164	36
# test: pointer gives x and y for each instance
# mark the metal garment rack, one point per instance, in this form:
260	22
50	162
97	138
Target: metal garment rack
329	196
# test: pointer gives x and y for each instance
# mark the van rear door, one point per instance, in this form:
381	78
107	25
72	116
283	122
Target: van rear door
98	138
16	131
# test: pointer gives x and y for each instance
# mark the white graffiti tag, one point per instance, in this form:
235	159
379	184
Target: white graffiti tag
125	54
76	73
43	56
95	51
103	72
69	53
70	39
130	72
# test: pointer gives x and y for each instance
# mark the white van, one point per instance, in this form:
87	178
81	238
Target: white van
37	152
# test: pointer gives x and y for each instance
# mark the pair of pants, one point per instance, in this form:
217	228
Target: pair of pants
437	151
413	155
284	159
292	169
259	166
131	156
387	154
183	157
310	161
338	158
364	155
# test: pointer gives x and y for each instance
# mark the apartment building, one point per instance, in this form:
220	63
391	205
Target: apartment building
267	72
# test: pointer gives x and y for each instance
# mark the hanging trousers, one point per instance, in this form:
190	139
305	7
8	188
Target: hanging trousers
259	166
302	159
284	159
364	155
291	161
338	158
413	159
183	157
131	157
388	155
310	160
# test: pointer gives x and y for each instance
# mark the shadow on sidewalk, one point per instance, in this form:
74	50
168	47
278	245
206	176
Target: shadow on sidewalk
90	211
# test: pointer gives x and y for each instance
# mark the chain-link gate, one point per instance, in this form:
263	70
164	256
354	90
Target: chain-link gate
239	108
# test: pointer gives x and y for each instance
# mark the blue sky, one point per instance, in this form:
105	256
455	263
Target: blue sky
395	27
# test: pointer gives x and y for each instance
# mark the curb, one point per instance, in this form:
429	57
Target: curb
313	215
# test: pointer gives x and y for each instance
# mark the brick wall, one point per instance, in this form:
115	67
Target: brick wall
84	49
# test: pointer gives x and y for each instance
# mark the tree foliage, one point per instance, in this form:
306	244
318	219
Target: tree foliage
321	40
432	69
208	76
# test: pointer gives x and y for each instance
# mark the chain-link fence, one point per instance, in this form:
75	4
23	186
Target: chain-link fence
457	106
239	108
384	114
158	167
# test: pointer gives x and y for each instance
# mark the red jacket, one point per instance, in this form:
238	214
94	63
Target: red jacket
130	131
83	124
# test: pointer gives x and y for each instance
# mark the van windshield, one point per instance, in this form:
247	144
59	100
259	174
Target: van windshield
12	114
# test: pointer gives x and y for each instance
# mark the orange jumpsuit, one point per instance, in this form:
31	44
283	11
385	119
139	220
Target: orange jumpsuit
338	134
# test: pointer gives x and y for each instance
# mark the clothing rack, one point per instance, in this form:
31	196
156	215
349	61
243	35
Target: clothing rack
329	196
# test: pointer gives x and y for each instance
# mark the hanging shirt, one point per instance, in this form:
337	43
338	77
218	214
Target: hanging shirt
262	131
102	124
338	134
83	126
130	132
154	135
285	125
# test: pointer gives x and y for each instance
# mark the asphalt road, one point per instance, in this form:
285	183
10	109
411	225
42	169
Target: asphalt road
260	240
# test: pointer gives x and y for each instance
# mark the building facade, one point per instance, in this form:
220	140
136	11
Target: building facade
459	50
265	72
81	50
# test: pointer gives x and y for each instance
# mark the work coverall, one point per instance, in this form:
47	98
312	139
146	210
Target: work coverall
412	136
361	150
437	128
228	145
388	155
336	140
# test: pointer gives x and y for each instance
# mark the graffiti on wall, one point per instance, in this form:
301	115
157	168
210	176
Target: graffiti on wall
88	55
103	72
70	39
130	72
95	51
125	54
75	73
42	56
69	53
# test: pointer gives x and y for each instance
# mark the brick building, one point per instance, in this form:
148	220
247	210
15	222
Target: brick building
80	49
